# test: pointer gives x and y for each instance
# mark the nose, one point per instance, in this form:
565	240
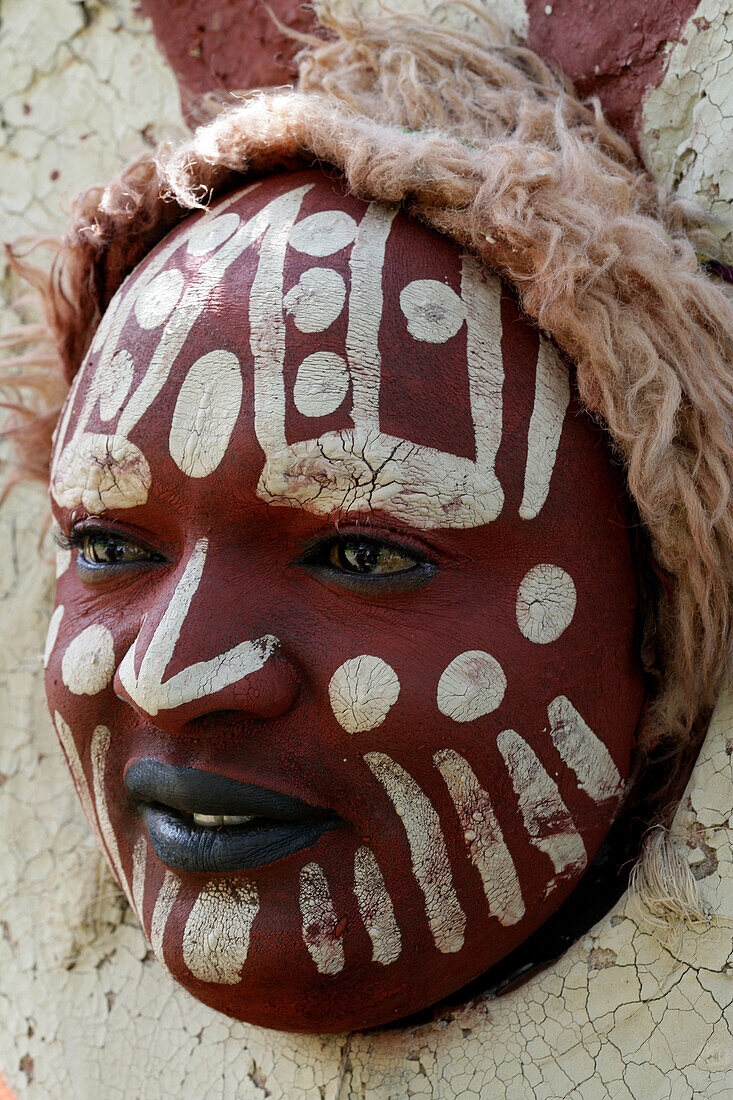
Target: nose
253	676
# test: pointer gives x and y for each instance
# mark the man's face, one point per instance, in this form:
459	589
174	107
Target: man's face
342	659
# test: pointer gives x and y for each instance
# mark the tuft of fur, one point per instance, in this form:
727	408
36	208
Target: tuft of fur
663	894
479	139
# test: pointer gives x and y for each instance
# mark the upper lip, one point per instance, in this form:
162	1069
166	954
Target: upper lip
193	791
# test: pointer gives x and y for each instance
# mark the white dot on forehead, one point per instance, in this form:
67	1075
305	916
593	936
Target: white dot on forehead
118	379
88	664
211	232
324	233
158	299
434	312
316	300
321	384
362	692
545	603
206	412
472	685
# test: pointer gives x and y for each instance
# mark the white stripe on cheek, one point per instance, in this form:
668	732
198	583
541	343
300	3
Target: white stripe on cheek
320	923
207	409
362	692
88	664
77	771
552	396
163	905
100	747
53	633
63	561
376	909
139	866
482	832
216	937
545	815
583	751
430	863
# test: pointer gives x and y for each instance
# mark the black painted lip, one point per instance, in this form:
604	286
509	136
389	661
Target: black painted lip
170	795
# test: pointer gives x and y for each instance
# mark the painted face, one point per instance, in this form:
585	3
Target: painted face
342	659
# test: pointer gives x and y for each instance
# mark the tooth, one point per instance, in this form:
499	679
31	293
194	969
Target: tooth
212	821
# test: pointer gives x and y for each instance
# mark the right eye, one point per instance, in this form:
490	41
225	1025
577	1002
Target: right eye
103	548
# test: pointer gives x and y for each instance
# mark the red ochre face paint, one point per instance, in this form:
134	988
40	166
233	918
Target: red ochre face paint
342	659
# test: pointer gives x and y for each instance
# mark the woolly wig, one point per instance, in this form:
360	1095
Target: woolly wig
478	138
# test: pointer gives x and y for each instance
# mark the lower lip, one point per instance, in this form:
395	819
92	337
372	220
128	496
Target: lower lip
184	846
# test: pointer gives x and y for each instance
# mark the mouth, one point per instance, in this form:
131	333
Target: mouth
201	821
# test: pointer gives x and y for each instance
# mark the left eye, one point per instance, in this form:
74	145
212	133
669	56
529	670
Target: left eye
364	557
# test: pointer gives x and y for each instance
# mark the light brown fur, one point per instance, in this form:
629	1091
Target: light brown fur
482	141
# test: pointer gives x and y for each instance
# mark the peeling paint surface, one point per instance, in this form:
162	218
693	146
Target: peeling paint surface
687	132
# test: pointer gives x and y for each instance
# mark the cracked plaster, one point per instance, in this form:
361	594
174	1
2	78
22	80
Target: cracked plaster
687	128
85	1010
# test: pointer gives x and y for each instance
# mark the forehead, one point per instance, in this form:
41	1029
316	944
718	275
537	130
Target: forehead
337	338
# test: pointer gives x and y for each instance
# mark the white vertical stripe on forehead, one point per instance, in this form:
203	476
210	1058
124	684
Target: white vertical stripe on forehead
583	751
100	747
113	320
376	909
266	320
545	815
80	780
139	867
551	399
320	921
216	937
365	313
484	838
430	863
146	687
485	366
164	902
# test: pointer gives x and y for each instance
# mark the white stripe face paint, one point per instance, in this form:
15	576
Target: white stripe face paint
545	603
88	663
147	689
163	905
207	408
100	747
362	692
213	231
363	469
551	400
428	851
376	909
53	633
472	685
139	867
63	561
77	771
119	376
545	815
159	298
583	751
216	937
320	922
484	839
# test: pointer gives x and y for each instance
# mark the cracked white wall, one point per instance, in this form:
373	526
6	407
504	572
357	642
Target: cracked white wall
85	1011
687	127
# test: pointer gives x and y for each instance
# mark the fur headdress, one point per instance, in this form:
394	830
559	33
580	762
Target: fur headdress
479	139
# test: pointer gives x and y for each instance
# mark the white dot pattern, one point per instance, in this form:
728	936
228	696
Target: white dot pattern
545	603
362	692
321	384
158	299
316	300
88	664
472	685
212	232
324	233
433	310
